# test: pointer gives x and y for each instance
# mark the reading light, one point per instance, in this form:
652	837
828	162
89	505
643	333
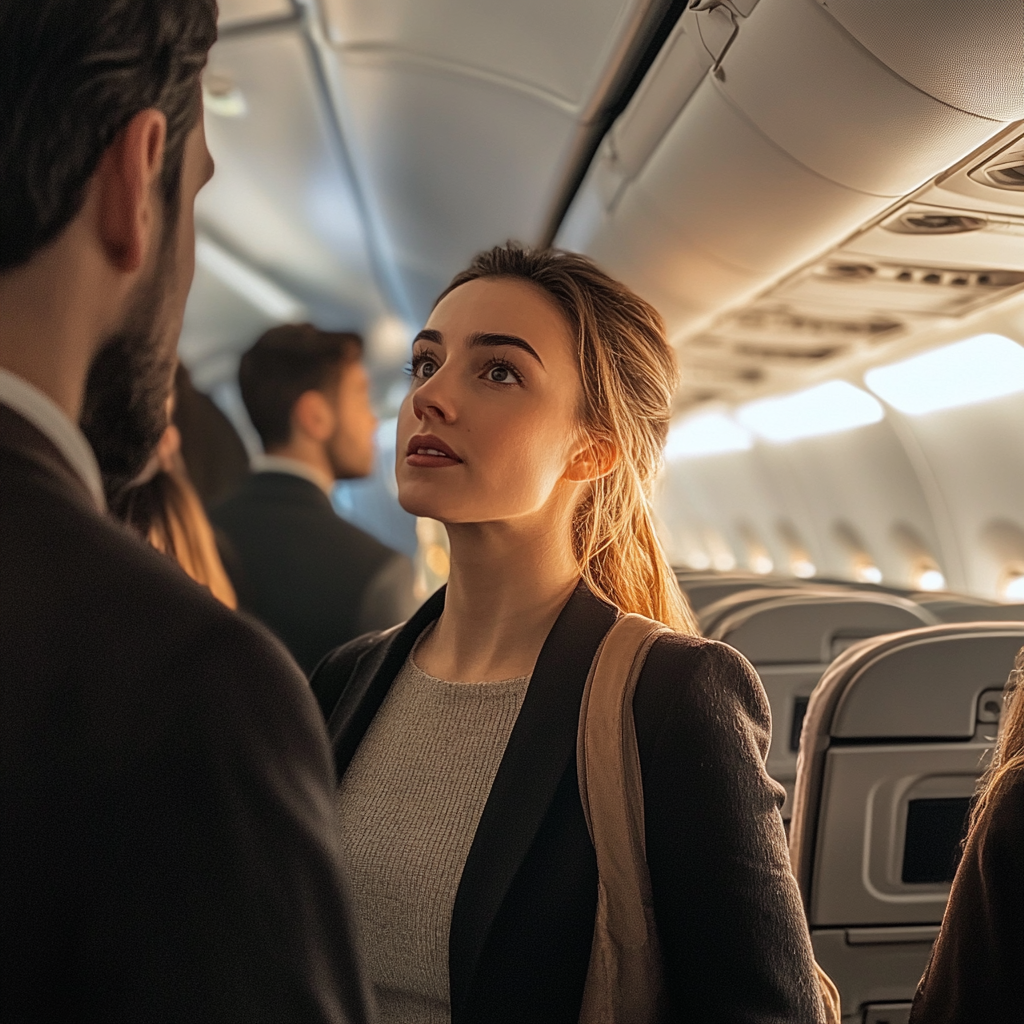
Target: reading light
865	572
1013	588
259	291
824	409
709	433
803	567
930	579
975	370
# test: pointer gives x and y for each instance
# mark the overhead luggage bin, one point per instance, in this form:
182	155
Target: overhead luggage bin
791	637
766	135
894	740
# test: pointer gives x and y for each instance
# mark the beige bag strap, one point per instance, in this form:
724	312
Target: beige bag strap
625	980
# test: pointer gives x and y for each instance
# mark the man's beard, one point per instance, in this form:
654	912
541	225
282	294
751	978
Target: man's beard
124	413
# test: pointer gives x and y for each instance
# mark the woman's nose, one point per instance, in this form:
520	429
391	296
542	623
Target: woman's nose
433	399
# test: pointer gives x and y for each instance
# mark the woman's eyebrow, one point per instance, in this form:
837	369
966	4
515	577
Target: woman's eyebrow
429	334
488	340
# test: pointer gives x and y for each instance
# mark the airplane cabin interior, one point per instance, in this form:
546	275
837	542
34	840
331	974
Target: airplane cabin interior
825	201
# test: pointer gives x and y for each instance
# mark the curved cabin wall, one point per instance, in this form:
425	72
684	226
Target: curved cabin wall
946	486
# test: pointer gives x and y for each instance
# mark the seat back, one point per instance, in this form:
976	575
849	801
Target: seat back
704	588
791	637
895	737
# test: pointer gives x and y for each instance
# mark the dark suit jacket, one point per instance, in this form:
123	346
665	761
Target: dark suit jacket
729	916
165	784
976	971
316	580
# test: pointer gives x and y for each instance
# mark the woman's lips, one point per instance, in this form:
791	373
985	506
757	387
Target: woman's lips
428	451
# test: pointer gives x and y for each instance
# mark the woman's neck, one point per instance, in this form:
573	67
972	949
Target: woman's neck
508	584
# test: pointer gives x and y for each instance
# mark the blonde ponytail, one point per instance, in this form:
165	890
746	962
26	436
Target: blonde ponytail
628	375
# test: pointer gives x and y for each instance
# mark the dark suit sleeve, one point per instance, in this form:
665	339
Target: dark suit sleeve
736	947
224	898
976	970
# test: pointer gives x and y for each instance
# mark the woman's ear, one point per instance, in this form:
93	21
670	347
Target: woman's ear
595	458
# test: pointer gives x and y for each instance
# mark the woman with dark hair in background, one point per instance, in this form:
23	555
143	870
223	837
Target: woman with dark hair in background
533	429
976	971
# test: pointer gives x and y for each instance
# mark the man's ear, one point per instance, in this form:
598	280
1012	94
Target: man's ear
313	416
596	458
129	208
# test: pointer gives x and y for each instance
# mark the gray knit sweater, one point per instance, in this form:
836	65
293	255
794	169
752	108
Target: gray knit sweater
407	811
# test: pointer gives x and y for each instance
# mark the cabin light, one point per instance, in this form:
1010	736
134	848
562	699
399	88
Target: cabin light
803	567
976	370
259	291
1013	588
222	97
930	579
867	573
824	409
709	433
761	564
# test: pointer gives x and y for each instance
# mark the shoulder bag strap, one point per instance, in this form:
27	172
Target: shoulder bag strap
625	980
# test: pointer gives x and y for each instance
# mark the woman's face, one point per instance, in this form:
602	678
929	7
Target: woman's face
489	428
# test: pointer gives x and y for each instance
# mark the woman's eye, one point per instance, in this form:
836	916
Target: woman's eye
502	373
424	367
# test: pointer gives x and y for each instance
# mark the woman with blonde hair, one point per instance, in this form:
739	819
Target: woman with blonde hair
976	971
533	430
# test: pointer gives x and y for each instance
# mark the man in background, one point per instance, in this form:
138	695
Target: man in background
316	580
166	789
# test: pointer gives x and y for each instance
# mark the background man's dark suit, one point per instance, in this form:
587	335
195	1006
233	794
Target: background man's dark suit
314	579
165	785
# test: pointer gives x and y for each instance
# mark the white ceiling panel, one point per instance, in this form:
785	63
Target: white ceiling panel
232	13
465	120
281	197
455	169
562	48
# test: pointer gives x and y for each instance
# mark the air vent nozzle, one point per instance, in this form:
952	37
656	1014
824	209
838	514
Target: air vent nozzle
1006	173
918	223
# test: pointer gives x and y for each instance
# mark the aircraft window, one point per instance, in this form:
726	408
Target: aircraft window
964	373
800	562
935	829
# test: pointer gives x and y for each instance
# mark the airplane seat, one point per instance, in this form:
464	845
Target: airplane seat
791	637
894	739
726	604
961	608
704	588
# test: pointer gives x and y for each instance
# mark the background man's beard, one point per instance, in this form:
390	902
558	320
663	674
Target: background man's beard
124	412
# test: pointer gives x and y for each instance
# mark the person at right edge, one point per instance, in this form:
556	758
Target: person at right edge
165	782
539	404
976	970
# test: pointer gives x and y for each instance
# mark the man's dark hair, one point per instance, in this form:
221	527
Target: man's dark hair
73	73
283	365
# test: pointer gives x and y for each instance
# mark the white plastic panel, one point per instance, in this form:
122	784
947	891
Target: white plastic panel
232	13
824	99
982	42
859	850
280	197
561	48
700	179
454	168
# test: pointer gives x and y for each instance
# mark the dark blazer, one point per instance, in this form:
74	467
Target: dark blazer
165	784
729	916
316	580
976	971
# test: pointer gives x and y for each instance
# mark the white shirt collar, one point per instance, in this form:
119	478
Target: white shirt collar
49	419
293	467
